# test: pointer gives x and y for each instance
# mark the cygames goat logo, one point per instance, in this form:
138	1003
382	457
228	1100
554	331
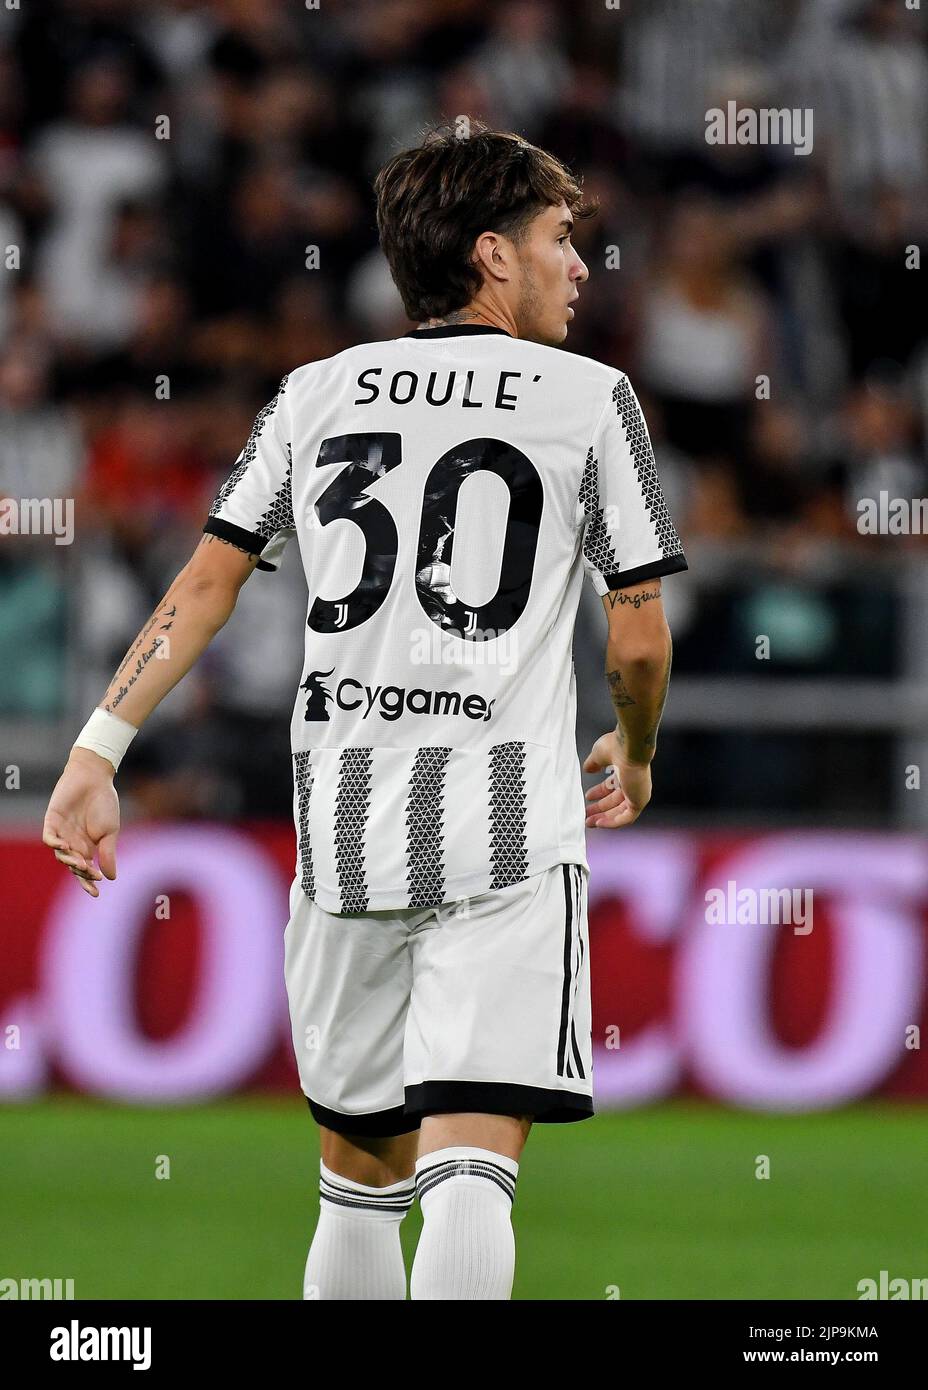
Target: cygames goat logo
389	701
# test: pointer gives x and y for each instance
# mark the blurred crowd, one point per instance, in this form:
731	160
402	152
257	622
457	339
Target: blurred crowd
167	168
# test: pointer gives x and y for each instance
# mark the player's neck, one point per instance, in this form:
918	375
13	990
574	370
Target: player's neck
475	314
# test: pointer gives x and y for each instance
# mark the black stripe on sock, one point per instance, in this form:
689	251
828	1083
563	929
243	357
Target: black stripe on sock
456	1164
326	1186
364	1205
431	1176
431	1182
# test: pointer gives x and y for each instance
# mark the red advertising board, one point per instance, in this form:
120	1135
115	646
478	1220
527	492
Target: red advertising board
783	972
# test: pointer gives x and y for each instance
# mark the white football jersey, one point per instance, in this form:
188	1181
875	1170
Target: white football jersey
447	490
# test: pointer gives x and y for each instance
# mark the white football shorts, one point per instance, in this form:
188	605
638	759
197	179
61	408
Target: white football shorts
479	1005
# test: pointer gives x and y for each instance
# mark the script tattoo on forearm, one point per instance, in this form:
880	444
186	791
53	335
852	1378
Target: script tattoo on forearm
142	657
633	600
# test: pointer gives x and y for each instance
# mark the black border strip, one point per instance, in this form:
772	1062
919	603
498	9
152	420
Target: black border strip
378	1124
498	1098
227	531
673	564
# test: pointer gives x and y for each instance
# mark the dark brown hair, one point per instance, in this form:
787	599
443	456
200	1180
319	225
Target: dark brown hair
435	200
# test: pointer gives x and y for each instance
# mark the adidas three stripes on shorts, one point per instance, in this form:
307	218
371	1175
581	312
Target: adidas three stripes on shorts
481	1005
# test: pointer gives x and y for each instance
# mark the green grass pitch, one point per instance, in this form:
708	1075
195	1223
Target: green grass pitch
661	1202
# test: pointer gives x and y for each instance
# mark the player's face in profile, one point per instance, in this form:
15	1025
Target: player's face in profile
552	274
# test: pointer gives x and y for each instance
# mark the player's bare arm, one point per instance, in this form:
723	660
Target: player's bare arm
638	661
83	814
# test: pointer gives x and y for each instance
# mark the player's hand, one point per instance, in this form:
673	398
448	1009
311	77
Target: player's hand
83	817
626	791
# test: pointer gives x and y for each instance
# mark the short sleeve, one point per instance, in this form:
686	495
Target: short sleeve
628	535
254	506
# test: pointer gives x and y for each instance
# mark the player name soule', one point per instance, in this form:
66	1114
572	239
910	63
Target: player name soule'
440	388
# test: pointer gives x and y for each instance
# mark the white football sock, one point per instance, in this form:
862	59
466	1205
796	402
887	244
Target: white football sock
356	1251
467	1247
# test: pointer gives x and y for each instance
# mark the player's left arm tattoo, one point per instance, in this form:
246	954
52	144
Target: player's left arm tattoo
621	699
620	597
650	735
638	716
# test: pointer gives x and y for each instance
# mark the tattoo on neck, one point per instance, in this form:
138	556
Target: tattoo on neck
457	316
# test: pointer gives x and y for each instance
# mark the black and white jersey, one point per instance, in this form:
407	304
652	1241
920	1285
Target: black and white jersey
447	490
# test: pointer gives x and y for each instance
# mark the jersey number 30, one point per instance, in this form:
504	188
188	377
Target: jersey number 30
368	457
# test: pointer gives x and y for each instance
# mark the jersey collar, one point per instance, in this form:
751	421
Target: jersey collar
453	330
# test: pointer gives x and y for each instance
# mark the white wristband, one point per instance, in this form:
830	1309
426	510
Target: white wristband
106	734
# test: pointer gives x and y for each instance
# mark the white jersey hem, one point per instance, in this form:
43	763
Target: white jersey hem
462	886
